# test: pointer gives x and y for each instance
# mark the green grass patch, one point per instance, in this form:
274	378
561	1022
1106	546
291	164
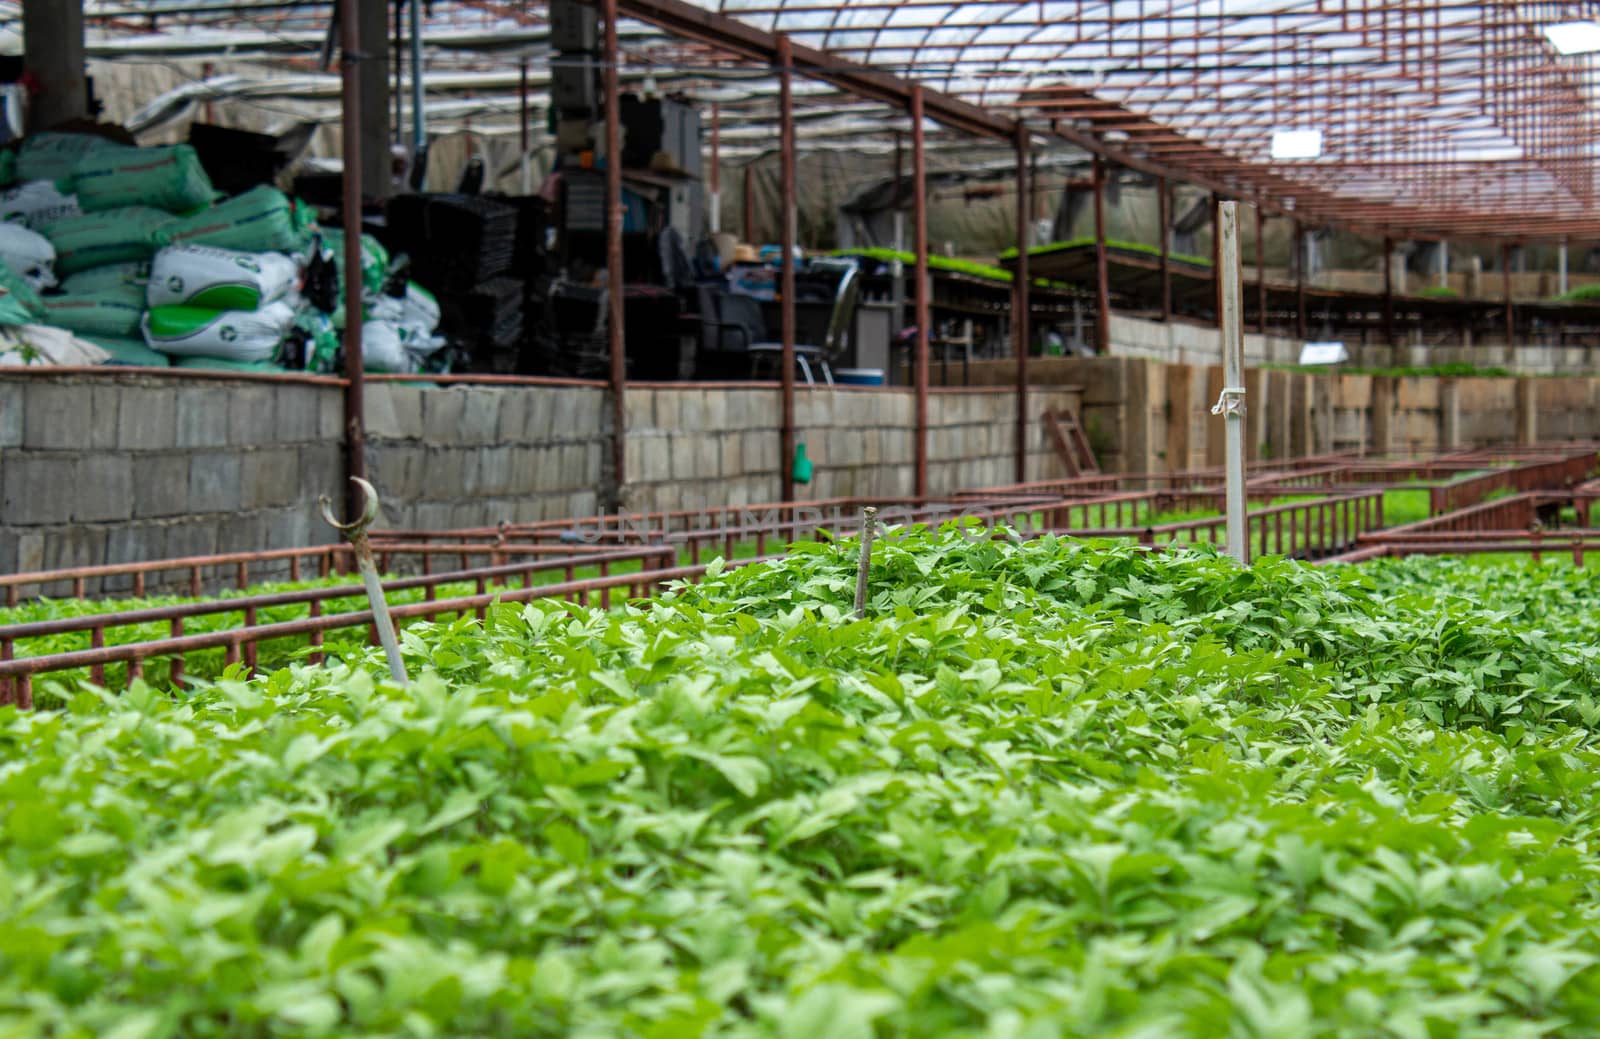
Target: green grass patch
1111	243
950	264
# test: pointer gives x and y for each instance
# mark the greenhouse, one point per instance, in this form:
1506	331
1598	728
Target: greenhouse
799	519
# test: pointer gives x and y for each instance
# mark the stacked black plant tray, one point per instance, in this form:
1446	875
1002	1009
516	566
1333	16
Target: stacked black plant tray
464	248
455	242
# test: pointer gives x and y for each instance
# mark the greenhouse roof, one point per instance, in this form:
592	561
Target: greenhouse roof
1404	118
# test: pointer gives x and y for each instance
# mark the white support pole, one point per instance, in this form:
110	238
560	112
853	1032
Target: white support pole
1444	261
1231	404
1561	269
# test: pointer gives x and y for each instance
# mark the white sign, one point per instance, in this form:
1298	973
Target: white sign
1323	353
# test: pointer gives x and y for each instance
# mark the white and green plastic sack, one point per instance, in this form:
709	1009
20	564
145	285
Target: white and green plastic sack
235	335
36	204
113	236
169	178
322	340
374	260
261	220
54	156
19	302
113	311
219	279
417	309
129	351
112	275
29	254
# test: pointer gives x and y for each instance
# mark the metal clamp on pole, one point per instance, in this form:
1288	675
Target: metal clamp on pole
1230	401
355	532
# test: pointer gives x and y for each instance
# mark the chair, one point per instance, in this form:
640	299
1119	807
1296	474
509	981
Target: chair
834	341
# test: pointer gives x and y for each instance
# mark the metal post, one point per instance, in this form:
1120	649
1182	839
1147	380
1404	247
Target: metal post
1021	303
53	53
522	126
919	223
1166	247
1231	404
1102	275
788	207
1299	281
1388	292
1444	261
419	118
1505	280
750	202
716	167
1216	258
355	426
1261	271
1561	268
396	88
615	277
377	164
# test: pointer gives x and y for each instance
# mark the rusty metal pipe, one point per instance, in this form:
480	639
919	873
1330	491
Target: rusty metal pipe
616	336
1021	302
788	206
919	224
355	425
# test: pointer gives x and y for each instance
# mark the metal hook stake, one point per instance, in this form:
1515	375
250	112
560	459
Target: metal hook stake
869	527
355	532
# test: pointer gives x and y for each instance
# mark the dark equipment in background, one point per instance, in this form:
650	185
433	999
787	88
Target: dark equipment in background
238	160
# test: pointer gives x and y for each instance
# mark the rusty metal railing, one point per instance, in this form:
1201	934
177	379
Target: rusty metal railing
240	643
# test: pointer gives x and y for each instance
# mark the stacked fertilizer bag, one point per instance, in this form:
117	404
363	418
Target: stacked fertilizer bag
129	249
400	318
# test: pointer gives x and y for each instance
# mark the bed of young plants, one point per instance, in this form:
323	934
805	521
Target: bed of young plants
1052	789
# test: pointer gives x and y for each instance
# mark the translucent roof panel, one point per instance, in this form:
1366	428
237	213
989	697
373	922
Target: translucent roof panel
1436	118
1420	106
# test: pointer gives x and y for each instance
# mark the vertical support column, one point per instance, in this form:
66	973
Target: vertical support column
1561	268
1165	208
1388	292
786	206
616	284
53	54
1231	404
1300	281
397	61
1021	302
919	223
523	135
1505	281
1527	410
750	202
716	167
1102	276
419	117
1261	271
355	426
1216	257
373	68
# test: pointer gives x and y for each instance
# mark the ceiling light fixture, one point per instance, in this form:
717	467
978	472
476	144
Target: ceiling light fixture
1569	38
1296	144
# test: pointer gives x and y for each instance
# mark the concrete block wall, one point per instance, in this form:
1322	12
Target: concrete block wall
1161	421
692	447
137	467
1182	341
696	447
467	456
